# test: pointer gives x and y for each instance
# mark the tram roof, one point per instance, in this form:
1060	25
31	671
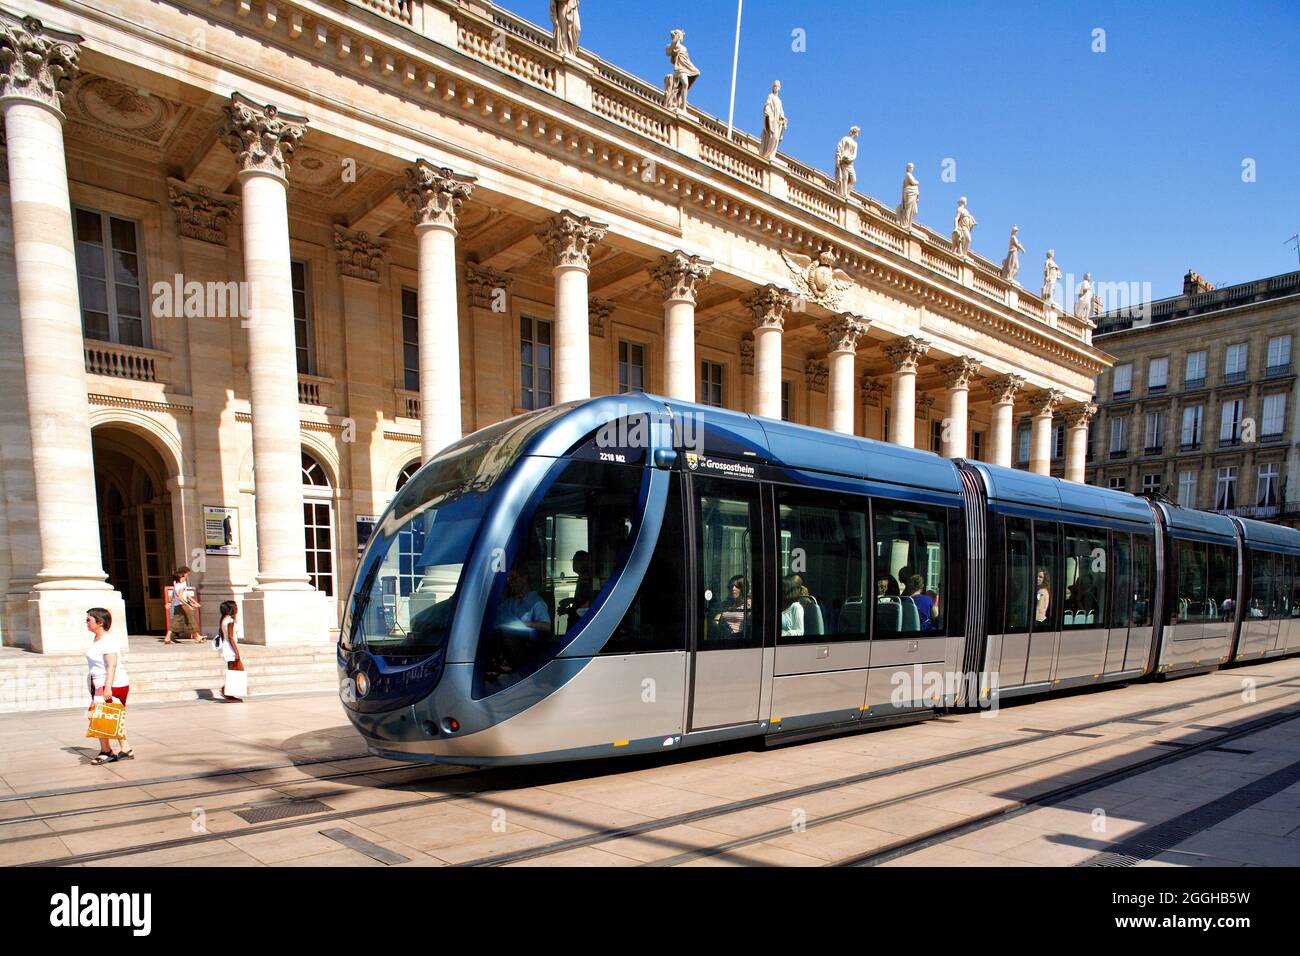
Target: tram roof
1193	522
1273	536
1015	486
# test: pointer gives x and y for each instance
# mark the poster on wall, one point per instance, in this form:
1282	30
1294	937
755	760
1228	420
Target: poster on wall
221	530
365	528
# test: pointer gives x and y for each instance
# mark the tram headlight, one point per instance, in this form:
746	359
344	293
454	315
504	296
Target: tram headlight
363	684
450	725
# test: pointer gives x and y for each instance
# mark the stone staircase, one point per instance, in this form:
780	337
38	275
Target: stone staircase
161	673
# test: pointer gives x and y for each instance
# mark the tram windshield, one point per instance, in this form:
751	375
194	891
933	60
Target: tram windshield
410	576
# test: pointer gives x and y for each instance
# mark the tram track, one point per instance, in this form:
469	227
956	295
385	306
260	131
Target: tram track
493	777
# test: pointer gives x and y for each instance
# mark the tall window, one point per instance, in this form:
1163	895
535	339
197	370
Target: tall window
1155	431
1085	578
936	435
1058	442
631	367
1150	484
1234	365
1191	433
1230	423
1123	380
711	384
1279	354
318	524
1157	374
1022	442
1225	490
885	429
109	279
1270	476
410	340
977	446
1187	489
534	362
824	544
911	583
1274	416
1118	436
1195	376
785	400
300	279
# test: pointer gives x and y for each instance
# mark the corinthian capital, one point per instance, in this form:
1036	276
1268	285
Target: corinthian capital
769	306
960	371
1046	402
434	194
681	274
1079	416
873	390
747	354
360	254
36	62
598	313
487	288
200	214
261	137
817	373
842	332
569	238
905	353
1004	389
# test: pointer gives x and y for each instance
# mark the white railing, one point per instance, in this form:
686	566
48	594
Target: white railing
126	361
408	404
314	390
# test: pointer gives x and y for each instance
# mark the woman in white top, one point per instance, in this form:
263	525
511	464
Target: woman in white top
185	605
792	607
106	662
228	638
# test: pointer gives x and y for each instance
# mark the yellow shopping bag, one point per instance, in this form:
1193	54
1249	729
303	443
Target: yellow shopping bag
107	720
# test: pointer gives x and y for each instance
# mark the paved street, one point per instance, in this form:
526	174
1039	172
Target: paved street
1201	771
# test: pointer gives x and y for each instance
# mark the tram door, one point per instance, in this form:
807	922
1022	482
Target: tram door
729	614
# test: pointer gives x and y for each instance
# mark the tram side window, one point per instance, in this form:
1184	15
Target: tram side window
1281	586
1260	584
1192	602
1047	576
1293	563
1085	577
656	618
726	555
574	544
1020	576
1121	577
1143	574
911	555
823	568
1223	583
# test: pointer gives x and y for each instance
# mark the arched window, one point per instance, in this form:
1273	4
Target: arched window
406	474
410	541
318	524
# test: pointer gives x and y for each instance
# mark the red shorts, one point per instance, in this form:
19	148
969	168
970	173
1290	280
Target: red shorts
119	693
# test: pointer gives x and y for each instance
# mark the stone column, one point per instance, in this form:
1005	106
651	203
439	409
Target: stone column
282	606
841	333
680	275
873	413
769	305
905	356
959	373
1076	441
569	238
1040	439
435	195
1004	391
36	63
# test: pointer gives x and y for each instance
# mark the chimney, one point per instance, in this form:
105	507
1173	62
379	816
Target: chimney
1194	283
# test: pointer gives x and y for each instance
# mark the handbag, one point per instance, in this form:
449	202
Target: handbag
236	683
107	720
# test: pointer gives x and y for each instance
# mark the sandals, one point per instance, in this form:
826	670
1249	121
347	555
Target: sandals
103	758
126	754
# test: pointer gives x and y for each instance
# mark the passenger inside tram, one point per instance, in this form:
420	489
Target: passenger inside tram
792	609
733	619
926	605
1042	597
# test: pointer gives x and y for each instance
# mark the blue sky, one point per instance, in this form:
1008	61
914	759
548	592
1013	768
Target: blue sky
1127	162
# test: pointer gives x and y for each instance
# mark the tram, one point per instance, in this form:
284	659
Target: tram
631	574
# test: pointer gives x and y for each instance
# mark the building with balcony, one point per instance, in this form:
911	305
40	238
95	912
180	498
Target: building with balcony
1200	404
265	256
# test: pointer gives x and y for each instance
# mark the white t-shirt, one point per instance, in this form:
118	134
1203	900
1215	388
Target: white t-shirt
111	643
181	592
792	620
227	648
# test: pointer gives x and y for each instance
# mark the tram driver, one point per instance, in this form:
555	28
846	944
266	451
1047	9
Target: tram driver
522	613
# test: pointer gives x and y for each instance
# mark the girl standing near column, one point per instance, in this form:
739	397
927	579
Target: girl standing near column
228	638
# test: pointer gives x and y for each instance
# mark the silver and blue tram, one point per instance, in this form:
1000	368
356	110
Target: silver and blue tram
633	574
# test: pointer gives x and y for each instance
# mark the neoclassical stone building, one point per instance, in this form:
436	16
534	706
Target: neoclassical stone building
262	256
